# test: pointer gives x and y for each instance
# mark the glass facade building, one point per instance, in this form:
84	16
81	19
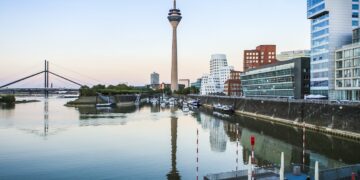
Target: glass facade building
285	79
332	22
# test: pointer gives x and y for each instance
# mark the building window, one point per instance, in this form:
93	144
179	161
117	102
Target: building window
339	74
355	14
356	62
339	83
339	55
347	83
348	63
355	23
339	64
347	73
357	72
355	7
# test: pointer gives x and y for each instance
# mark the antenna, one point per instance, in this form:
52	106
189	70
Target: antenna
174	4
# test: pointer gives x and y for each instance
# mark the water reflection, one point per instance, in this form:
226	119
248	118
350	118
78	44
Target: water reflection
299	146
174	173
224	140
46	117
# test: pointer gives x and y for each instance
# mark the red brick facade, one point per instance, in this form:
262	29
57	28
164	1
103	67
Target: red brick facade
232	86
262	55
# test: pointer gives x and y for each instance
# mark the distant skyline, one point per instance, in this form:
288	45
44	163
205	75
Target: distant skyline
112	41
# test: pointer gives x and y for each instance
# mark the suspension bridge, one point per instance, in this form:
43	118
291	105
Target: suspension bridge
47	88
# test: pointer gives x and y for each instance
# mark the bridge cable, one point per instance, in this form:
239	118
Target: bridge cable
83	75
27	77
66	79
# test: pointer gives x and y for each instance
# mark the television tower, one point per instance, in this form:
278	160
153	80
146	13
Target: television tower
174	18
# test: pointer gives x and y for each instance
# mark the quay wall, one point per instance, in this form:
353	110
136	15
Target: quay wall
317	114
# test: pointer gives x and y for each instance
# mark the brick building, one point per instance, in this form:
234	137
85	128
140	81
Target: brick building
232	86
262	55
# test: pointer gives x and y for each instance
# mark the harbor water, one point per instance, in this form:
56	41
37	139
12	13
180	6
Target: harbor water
47	140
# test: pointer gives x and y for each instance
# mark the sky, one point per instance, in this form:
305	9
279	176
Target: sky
124	41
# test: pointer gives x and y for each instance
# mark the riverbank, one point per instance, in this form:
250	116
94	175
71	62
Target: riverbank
341	120
120	100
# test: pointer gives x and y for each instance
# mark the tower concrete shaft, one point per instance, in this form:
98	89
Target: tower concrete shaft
174	18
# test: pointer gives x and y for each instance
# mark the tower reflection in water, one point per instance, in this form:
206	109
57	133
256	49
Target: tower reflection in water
174	173
46	117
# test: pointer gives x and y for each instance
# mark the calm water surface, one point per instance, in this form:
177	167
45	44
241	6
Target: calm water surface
46	140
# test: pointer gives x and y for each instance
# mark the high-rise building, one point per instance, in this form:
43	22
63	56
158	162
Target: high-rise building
262	55
219	73
332	22
174	19
154	78
287	55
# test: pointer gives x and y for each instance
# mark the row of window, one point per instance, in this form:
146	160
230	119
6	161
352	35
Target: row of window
348	73
311	3
319	74
320	57
316	9
281	93
320	33
348	63
283	72
269	80
323	65
348	53
320	41
319	83
348	83
256	61
321	25
319	49
270	87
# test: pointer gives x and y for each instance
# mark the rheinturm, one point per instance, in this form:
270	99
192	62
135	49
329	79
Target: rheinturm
174	18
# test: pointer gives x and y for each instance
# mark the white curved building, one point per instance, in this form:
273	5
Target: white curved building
219	73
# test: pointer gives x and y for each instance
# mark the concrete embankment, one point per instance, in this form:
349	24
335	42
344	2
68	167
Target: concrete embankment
322	116
120	100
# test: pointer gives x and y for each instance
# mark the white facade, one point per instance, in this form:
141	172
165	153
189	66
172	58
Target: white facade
287	55
332	22
219	74
347	68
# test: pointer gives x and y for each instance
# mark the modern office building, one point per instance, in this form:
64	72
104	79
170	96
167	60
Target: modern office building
174	17
233	84
287	55
213	83
154	78
332	22
347	70
262	55
285	79
197	83
185	82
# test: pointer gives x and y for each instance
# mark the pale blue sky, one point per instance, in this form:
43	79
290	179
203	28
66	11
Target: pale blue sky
125	40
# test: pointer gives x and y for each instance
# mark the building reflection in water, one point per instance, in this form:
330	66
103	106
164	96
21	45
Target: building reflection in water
218	136
174	173
155	108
